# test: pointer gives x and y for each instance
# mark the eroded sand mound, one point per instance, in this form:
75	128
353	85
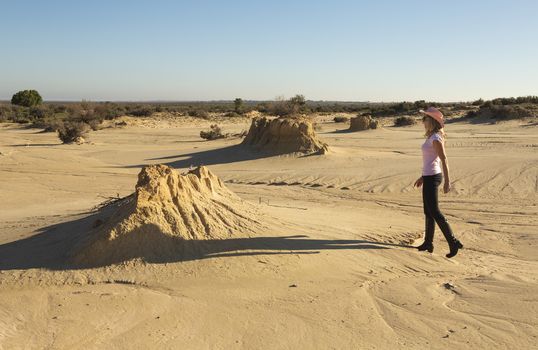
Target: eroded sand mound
363	122
284	135
168	213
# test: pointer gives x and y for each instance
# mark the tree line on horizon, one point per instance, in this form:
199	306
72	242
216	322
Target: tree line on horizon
28	107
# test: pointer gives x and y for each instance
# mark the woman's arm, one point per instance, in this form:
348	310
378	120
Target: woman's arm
440	149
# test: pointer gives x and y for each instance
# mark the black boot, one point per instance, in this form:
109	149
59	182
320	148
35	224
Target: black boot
453	243
428	238
454	247
426	246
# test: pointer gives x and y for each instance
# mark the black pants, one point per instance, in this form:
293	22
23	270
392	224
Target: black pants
430	188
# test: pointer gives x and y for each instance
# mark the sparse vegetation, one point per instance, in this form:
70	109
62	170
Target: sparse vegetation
142	111
73	131
199	113
238	106
288	108
214	133
340	119
405	121
49	115
504	112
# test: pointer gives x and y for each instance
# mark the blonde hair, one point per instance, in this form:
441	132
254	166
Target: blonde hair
433	127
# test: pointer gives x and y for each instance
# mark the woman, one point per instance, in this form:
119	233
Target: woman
433	157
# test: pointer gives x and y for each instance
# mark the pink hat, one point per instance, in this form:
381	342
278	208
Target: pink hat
435	114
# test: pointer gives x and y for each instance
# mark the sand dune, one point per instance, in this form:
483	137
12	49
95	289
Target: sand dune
329	266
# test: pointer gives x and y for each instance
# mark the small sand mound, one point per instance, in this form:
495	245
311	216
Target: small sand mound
284	135
168	214
363	122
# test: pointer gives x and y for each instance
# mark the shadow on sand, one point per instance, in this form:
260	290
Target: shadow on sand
36	145
225	155
53	246
342	131
229	154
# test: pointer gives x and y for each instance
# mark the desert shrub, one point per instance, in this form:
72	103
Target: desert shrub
478	102
94	124
22	116
510	112
404	121
214	133
50	124
238	105
514	100
285	108
58	108
233	115
74	109
501	112
340	119
40	112
89	117
420	104
280	108
72	131
299	101
199	113
472	114
404	107
142	111
6	113
108	111
26	98
263	107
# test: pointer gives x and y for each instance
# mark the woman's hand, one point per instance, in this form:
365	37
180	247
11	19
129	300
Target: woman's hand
419	182
446	187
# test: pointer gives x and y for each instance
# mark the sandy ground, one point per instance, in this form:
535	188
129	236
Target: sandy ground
333	270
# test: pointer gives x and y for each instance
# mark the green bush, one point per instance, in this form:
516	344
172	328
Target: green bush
26	98
72	131
404	121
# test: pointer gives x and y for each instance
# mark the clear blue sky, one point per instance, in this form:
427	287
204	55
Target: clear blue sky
331	50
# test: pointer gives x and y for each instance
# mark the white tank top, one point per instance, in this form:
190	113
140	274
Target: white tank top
431	163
